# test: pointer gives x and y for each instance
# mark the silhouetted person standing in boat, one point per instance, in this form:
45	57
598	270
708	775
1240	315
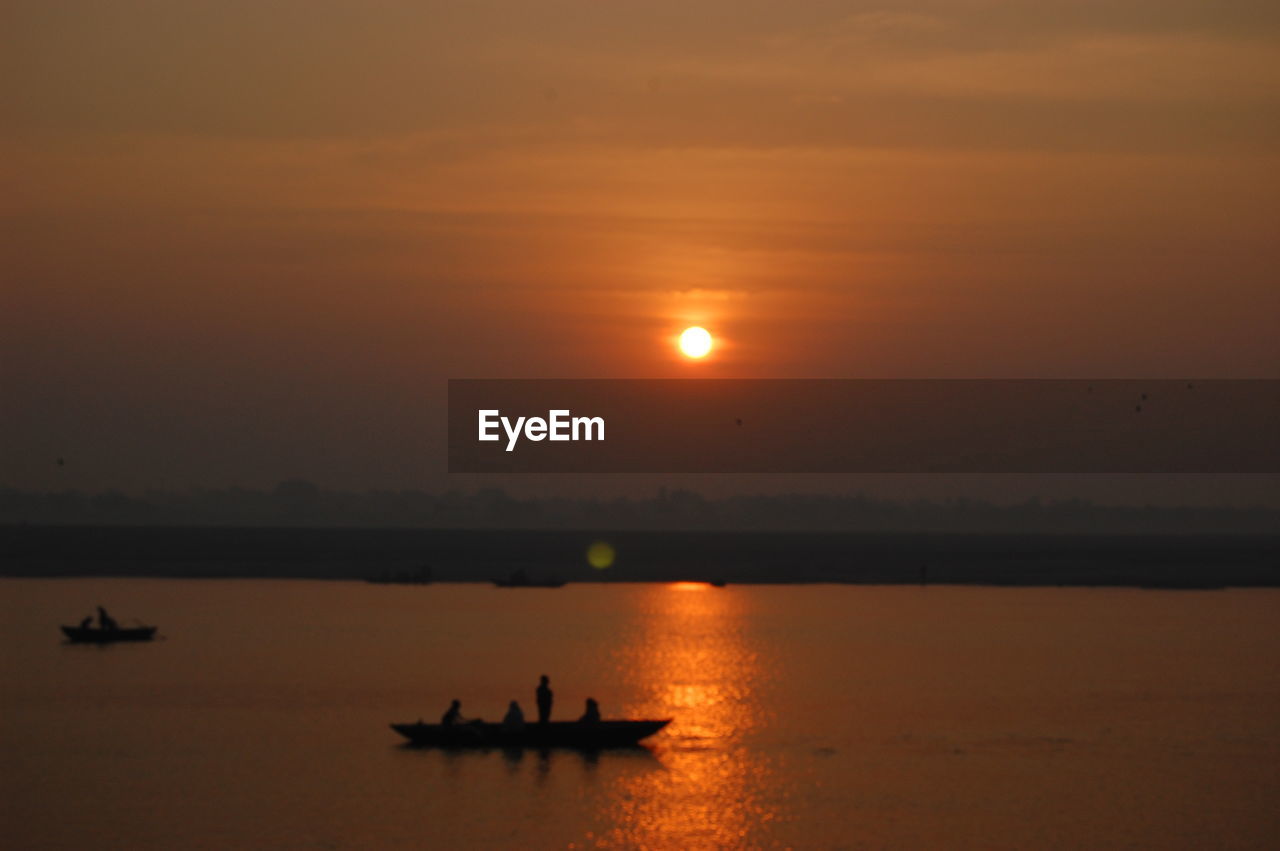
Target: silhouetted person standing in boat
545	696
592	715
105	621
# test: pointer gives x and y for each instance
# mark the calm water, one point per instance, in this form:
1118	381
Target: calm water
811	717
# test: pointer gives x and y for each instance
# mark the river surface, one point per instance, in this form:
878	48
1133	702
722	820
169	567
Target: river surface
804	716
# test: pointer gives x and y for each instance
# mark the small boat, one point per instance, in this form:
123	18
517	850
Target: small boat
1190	584
553	734
422	576
97	635
520	579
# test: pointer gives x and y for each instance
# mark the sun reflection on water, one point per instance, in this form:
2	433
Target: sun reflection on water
692	662
689	586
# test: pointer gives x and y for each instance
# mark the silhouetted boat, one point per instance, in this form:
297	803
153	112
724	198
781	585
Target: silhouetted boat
554	734
422	576
520	579
96	635
1189	584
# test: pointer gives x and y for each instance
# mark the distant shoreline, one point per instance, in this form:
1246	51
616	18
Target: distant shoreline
593	583
1165	561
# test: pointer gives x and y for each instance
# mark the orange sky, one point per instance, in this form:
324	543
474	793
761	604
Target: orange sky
247	241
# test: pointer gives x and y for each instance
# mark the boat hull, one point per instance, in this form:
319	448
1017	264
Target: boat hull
549	583
555	734
92	635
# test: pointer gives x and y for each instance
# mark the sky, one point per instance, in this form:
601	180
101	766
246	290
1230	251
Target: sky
249	241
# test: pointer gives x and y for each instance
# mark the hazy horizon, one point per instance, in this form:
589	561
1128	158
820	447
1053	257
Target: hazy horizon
304	505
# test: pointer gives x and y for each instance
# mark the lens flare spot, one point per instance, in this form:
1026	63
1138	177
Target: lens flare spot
600	555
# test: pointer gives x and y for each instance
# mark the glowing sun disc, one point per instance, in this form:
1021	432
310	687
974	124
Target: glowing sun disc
695	342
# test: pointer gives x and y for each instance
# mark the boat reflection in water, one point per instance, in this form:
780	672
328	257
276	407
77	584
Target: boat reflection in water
691	658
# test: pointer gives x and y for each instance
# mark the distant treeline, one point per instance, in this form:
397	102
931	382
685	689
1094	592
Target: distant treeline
302	504
479	555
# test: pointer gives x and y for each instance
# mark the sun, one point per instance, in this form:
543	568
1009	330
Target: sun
695	342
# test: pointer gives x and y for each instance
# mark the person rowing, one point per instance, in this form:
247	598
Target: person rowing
105	621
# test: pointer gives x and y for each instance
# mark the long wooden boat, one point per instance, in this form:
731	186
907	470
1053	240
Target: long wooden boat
519	578
96	635
530	583
554	734
421	576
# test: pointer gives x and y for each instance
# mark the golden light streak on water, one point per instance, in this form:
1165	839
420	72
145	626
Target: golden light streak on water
694	662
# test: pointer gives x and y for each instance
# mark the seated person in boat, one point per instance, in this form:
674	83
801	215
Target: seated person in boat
514	720
105	621
453	715
592	715
87	623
